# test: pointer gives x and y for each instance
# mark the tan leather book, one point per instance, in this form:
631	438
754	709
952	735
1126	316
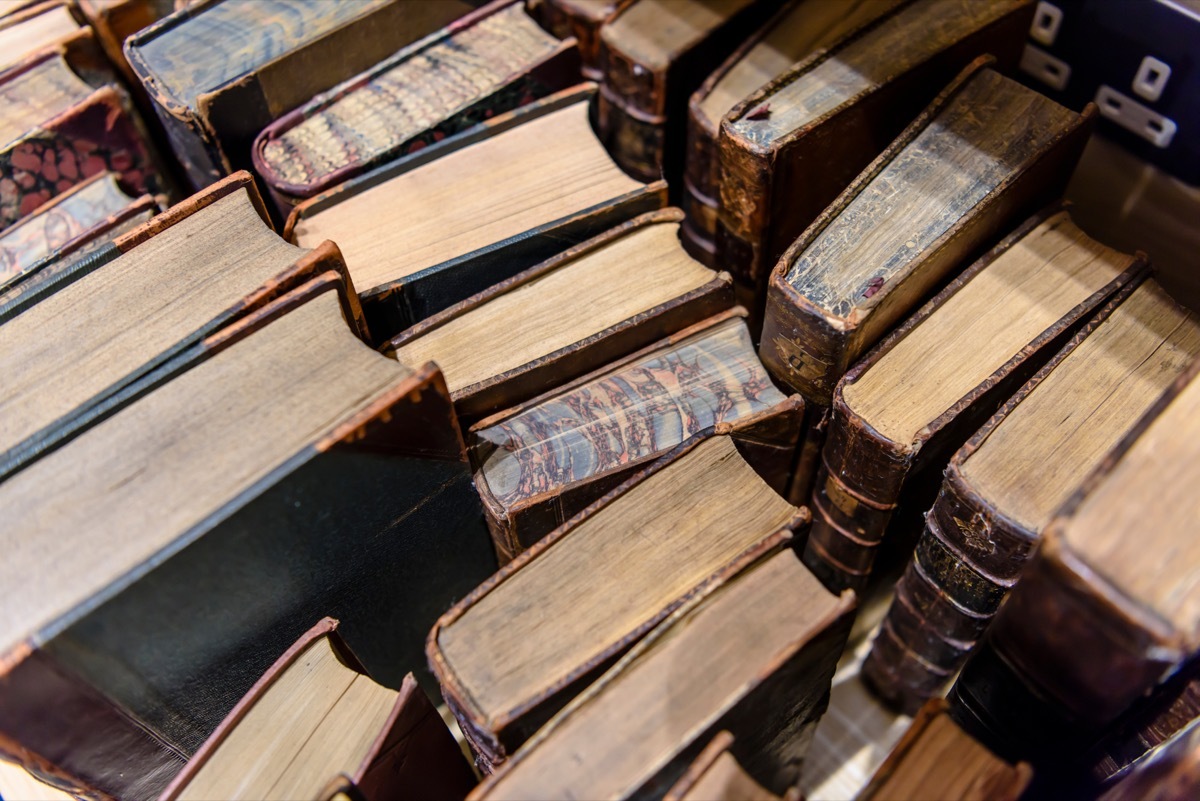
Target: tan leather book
459	216
790	148
163	558
798	30
901	413
715	775
937	759
755	658
189	272
1106	609
219	71
539	463
595	302
1002	488
534	636
654	54
316	725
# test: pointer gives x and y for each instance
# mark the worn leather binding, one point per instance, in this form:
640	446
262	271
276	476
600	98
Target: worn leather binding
471	70
274	55
970	555
772	716
494	738
114	21
936	759
866	480
100	133
323	258
1069	651
700	197
769	195
764	423
80	48
114	696
414	756
642	110
810	349
526	381
93	211
399	304
694	785
580	20
1170	771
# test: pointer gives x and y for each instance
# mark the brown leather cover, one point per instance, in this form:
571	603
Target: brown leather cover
865	478
769	196
968	558
581	22
414	756
114	22
493	741
642	111
521	383
767	440
1069	652
993	779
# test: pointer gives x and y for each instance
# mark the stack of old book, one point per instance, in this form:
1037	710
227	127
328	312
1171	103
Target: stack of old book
577	399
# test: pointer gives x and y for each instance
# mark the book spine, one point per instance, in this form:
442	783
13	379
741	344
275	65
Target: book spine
564	21
857	489
744	207
636	139
700	187
966	561
800	348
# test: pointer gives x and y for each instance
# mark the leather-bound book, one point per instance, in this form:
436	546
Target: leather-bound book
219	71
35	28
593	303
715	775
181	277
459	216
1004	485
901	413
580	20
985	154
114	21
787	150
799	30
486	63
91	211
316	725
60	129
1107	606
935	758
1171	771
654	54
161	560
755	657
541	462
531	638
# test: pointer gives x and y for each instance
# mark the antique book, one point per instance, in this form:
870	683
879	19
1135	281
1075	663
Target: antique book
754	657
787	150
486	63
800	29
985	154
521	646
1002	487
937	759
81	215
715	775
114	21
654	54
464	214
593	303
1171	771
58	130
1106	608
186	274
219	71
159	562
580	20
901	412
316	725
39	27
541	462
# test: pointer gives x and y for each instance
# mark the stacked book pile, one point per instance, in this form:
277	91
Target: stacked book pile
415	400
